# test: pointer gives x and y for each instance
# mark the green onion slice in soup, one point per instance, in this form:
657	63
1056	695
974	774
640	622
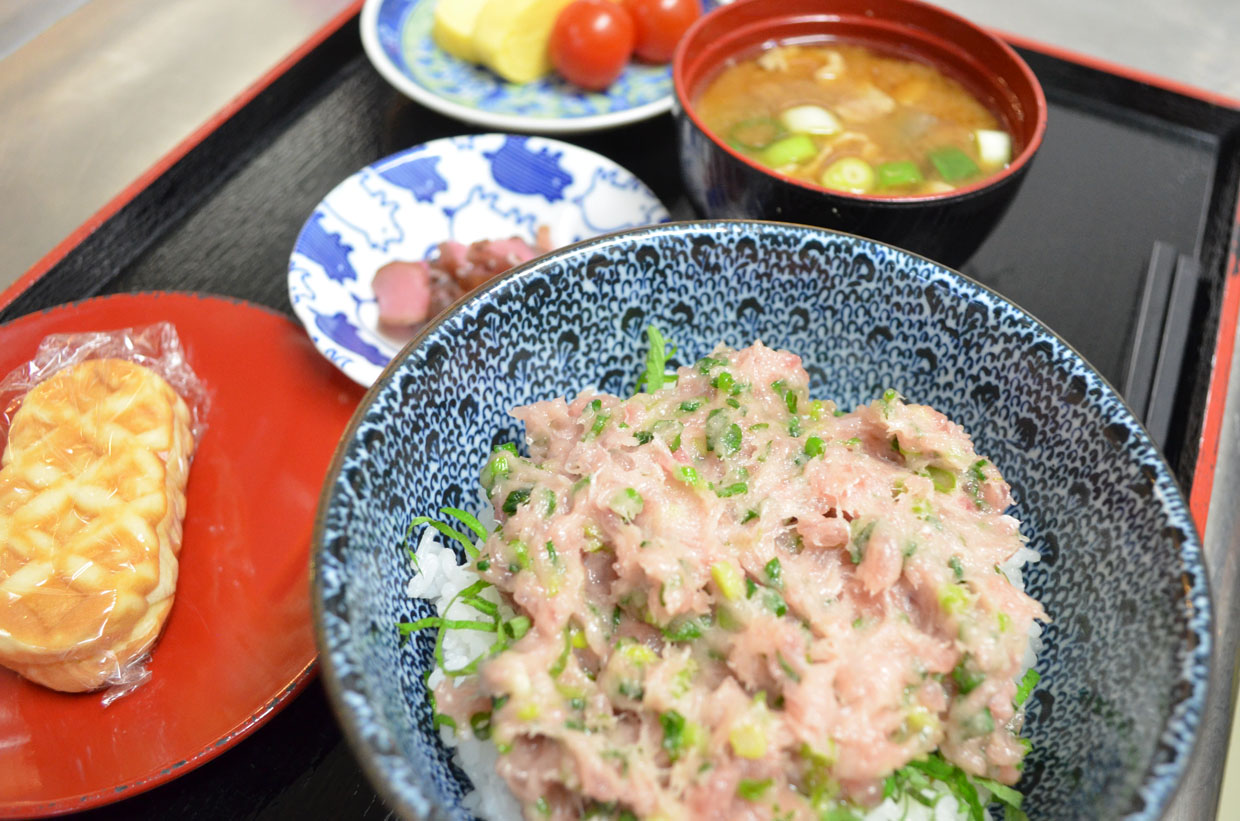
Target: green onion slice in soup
953	164
755	134
789	151
851	174
898	174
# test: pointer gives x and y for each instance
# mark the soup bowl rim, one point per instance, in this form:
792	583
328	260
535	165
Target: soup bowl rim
685	105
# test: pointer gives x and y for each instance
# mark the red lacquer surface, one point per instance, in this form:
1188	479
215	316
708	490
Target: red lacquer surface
239	642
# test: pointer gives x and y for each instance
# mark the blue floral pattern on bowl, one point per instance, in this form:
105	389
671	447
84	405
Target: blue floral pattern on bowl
1127	653
485	186
397	37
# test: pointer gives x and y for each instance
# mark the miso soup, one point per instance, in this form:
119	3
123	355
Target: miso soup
852	119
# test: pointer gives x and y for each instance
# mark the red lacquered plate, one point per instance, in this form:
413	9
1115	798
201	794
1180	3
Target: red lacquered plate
238	644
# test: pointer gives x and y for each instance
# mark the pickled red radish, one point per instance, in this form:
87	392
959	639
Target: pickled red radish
403	292
410	292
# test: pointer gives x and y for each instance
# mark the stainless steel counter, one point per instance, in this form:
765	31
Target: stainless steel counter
94	92
98	97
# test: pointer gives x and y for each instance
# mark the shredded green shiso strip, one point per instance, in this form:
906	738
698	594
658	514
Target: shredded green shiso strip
915	781
656	376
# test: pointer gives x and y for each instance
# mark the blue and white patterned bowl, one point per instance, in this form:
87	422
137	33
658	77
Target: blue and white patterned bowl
1125	665
485	186
396	35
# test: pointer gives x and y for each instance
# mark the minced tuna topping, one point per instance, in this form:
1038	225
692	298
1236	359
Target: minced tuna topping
734	601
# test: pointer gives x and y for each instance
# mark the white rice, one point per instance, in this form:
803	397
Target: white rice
440	578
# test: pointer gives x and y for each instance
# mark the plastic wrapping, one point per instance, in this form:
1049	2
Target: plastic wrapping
92	497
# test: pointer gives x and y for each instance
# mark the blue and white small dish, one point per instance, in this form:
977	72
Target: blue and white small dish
397	37
485	186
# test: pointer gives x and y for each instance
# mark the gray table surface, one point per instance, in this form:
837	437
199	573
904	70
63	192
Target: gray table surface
94	92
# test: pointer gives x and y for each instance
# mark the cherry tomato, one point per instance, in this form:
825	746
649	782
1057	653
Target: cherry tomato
660	25
591	43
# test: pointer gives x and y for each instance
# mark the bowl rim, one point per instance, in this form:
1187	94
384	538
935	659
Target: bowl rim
684	107
1190	551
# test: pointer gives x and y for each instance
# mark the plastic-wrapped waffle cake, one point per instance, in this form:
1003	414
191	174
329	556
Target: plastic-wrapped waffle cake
92	495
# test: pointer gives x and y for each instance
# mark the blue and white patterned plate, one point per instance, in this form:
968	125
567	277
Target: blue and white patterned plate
397	38
486	186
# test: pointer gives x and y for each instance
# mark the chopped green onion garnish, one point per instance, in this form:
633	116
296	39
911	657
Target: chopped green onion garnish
788	151
626	504
729	579
774	572
686	629
957	567
751	789
954	599
896	174
516	498
557	667
673	724
689	475
480	723
967	679
944	480
975	470
521	554
978	724
755	134
953	164
852	175
861	533
517	626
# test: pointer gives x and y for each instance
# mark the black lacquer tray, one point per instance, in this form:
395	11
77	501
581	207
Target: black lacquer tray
1120	240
